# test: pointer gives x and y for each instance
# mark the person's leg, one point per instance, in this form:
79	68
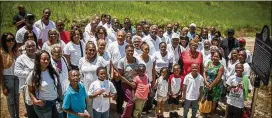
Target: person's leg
187	105
230	111
96	114
158	108
194	108
90	106
105	114
238	112
45	111
17	95
120	96
30	111
137	108
129	99
162	107
9	82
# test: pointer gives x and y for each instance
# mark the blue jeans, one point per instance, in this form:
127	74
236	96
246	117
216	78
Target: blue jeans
100	114
49	110
12	85
187	105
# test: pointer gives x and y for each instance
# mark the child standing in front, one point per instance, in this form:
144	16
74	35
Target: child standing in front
174	89
162	91
238	92
142	88
101	91
192	92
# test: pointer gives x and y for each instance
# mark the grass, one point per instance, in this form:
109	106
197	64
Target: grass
244	16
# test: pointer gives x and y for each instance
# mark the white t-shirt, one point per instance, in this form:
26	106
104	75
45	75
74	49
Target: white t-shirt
116	52
88	37
153	44
74	51
88	70
162	61
44	28
47	48
48	89
247	73
110	32
101	104
137	52
162	87
193	85
175	85
149	66
231	68
88	28
236	95
21	33
165	39
176	52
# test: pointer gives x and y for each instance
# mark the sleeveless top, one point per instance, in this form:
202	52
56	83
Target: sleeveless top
212	71
7	59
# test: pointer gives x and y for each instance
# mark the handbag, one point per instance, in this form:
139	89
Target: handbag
205	106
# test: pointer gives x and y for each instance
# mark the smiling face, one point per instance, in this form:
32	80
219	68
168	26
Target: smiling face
102	74
129	52
46	14
90	50
53	35
45	60
57	53
74	77
30	47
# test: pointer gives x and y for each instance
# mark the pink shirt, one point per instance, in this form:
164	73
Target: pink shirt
142	87
188	60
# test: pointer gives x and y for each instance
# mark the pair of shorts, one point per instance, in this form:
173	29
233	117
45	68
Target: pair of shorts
159	98
174	101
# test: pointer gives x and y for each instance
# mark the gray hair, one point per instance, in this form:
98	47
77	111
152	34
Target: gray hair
136	37
153	26
53	47
30	41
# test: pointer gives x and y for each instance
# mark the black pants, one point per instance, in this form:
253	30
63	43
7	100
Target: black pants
30	111
234	112
120	96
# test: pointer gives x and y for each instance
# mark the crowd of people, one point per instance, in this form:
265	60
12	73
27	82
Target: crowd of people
77	73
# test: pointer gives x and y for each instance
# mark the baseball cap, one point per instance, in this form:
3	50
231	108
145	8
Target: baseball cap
193	25
30	16
175	36
230	30
242	40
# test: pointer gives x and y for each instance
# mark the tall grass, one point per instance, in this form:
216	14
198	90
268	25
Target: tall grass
249	16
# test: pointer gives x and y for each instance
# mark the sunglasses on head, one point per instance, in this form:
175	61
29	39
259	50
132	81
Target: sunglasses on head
12	39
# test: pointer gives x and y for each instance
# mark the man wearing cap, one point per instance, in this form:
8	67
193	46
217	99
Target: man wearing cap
242	44
29	21
19	19
191	34
229	43
174	48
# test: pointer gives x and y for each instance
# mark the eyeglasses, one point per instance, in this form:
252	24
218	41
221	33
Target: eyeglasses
12	39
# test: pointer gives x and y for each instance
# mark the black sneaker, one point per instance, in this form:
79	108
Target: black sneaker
171	115
176	114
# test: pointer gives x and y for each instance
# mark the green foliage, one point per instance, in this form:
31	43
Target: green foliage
249	16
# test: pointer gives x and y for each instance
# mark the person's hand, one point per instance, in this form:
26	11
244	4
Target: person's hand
183	98
39	103
83	115
99	92
5	91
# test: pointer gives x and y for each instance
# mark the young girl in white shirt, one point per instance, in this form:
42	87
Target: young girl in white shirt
162	91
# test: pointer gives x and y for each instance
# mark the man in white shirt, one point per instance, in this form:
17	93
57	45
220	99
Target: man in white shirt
169	31
175	28
174	48
116	51
109	29
29	20
153	40
90	35
45	25
211	35
160	35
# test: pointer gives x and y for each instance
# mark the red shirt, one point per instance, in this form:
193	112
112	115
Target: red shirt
65	36
188	61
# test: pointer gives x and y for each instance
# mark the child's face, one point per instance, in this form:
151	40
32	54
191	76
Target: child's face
102	74
176	70
239	69
164	73
194	68
141	72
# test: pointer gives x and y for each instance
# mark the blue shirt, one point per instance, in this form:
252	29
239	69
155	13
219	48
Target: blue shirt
191	36
75	100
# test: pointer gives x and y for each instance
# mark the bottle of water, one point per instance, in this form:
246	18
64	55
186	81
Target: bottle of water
59	109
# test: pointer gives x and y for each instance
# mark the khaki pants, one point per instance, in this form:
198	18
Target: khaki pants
139	104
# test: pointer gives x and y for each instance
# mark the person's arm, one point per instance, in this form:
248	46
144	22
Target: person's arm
68	59
169	87
180	62
184	91
132	84
19	69
200	93
218	77
17	21
31	90
5	91
153	75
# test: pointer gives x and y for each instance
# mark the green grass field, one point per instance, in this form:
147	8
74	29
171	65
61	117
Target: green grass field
244	16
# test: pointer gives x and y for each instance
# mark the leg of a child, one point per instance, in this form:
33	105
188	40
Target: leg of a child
158	107
187	104
238	112
229	113
162	107
194	108
138	107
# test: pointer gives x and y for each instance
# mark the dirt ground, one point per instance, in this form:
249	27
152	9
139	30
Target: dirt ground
263	105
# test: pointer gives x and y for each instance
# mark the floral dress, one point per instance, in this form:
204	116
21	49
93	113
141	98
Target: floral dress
211	73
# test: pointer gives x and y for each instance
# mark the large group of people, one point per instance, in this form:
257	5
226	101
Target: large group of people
77	73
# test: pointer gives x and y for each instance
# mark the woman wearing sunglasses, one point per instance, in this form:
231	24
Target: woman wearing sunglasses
10	82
